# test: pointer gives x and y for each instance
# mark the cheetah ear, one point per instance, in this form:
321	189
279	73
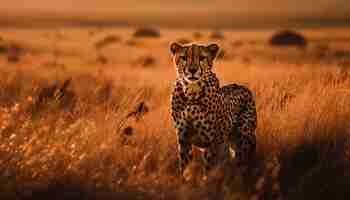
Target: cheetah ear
213	50
174	47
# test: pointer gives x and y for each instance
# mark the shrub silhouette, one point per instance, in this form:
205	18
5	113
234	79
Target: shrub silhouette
288	38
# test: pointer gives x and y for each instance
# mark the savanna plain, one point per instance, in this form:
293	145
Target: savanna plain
84	114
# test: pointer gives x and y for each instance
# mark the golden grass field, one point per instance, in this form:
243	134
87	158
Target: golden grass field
92	144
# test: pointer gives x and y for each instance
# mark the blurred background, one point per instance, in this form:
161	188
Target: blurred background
85	91
180	14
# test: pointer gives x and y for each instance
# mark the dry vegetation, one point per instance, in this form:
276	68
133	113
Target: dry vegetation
87	129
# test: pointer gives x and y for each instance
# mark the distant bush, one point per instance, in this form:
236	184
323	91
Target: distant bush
107	41
147	32
102	59
13	53
288	38
12	49
146	61
3	48
130	43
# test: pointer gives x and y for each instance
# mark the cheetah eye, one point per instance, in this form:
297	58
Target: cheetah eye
184	58
201	58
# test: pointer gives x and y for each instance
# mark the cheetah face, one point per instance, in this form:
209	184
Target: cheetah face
192	61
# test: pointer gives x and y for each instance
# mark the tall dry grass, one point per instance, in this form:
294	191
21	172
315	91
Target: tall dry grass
88	146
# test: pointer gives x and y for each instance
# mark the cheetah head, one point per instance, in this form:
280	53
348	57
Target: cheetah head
192	61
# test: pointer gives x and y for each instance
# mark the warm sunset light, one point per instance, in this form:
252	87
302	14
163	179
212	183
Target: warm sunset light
218	13
174	100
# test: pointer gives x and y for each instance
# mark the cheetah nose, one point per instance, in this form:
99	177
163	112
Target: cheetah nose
192	70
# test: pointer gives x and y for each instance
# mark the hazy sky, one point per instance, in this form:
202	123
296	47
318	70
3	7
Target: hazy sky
309	7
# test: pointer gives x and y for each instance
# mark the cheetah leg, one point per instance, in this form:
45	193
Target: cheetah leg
243	146
210	157
185	149
245	152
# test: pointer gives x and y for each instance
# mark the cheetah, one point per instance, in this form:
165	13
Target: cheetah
206	115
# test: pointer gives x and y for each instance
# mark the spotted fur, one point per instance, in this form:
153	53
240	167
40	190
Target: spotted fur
206	115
